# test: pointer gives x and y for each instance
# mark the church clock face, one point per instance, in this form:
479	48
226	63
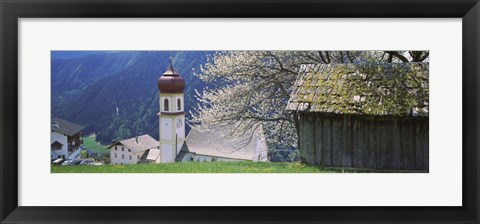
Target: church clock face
179	123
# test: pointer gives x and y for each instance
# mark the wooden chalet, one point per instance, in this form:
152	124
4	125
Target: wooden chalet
66	139
363	115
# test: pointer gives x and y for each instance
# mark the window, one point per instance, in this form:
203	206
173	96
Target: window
122	149
56	145
179	104
130	157
129	150
123	156
115	155
165	105
115	147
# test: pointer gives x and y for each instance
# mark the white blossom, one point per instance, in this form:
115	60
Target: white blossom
250	89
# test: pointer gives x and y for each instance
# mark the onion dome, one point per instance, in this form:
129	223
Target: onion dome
171	81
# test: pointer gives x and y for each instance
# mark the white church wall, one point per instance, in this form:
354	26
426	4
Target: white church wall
206	158
180	126
167	153
180	132
179	146
172	126
166	128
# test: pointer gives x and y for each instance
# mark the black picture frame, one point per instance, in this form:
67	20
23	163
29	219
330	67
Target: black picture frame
11	11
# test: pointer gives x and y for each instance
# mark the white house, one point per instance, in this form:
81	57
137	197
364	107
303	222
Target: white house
65	139
134	150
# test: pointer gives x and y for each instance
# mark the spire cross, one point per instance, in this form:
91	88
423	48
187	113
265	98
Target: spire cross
171	66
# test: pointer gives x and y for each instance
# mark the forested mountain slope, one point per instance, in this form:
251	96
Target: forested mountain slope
115	94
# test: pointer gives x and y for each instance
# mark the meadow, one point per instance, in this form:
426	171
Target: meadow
196	167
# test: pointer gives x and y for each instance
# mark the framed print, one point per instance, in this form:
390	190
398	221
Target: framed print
224	111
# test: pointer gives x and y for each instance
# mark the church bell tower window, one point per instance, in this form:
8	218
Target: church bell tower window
179	104
165	105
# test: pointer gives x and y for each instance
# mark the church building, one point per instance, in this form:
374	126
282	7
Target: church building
174	146
198	146
171	116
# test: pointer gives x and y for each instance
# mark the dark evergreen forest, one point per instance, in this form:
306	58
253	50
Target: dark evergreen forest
114	94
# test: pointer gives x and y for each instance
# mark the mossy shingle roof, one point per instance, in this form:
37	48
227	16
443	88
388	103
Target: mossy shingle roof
399	89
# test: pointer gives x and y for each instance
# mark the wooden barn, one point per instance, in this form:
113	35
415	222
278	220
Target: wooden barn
363	115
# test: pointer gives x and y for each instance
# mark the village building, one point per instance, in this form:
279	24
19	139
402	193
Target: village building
65	139
171	116
363	115
198	146
139	149
206	146
173	146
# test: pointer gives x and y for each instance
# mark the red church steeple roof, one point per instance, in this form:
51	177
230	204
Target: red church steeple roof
171	81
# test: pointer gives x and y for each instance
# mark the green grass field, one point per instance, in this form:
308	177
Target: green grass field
91	143
194	167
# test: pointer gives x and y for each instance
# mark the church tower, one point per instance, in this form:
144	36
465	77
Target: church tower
171	116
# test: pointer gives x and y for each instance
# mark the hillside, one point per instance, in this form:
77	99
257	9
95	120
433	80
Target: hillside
114	95
70	76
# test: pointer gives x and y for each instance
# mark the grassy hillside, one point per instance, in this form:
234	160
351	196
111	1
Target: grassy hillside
91	143
194	167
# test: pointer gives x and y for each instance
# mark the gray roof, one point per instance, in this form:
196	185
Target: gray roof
152	154
56	144
65	127
139	143
183	152
400	89
210	143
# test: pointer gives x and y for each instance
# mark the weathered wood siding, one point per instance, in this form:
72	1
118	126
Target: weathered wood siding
380	142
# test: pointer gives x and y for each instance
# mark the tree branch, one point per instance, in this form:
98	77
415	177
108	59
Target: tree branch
397	55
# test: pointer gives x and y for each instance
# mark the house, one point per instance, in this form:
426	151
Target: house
206	146
363	115
65	139
134	150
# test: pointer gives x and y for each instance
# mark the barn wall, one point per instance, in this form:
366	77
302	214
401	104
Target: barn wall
380	142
